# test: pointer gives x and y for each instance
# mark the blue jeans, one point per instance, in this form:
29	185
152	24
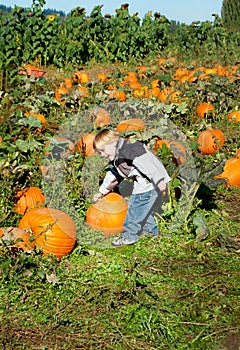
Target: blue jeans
140	215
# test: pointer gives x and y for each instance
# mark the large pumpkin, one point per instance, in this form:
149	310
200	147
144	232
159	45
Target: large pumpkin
131	125
210	141
25	200
231	172
85	144
107	214
19	238
54	230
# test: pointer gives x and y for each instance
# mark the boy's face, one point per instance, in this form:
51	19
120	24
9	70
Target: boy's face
108	151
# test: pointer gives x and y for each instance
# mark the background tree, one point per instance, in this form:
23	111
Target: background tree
231	14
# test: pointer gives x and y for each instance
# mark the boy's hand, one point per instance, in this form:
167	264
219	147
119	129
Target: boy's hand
97	196
162	187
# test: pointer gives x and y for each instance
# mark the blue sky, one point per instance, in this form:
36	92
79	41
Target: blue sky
186	11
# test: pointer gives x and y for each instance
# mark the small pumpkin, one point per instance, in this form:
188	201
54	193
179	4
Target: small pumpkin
85	144
83	91
60	92
132	124
154	92
107	214
54	230
117	94
81	77
68	83
102	77
135	85
231	172
203	109
38	116
28	199
18	238
234	116
210	141
130	78
141	92
99	116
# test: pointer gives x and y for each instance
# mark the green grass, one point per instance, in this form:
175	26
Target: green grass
166	293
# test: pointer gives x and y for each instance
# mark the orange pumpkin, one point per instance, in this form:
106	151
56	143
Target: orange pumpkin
83	91
142	92
28	199
68	83
60	92
210	141
37	115
20	239
85	145
155	92
177	149
231	172
142	71
130	78
234	116
131	125
119	95
161	61
135	85
155	83
54	230
203	109
81	77
102	77
107	214
99	116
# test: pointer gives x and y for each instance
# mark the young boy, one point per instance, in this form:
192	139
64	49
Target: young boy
132	160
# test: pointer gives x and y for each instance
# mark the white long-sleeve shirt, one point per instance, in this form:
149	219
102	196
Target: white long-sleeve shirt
134	160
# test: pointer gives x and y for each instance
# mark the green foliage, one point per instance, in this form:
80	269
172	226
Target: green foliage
27	35
32	36
230	12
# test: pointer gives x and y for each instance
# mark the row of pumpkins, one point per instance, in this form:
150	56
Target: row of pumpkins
132	84
209	140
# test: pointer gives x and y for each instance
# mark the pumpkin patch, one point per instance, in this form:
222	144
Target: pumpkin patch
173	88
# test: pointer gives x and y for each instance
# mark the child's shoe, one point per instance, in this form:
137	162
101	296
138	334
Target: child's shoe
122	241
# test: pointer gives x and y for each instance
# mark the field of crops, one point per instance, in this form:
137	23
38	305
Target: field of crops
177	90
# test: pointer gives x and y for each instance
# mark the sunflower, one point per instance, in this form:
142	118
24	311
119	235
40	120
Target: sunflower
51	18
